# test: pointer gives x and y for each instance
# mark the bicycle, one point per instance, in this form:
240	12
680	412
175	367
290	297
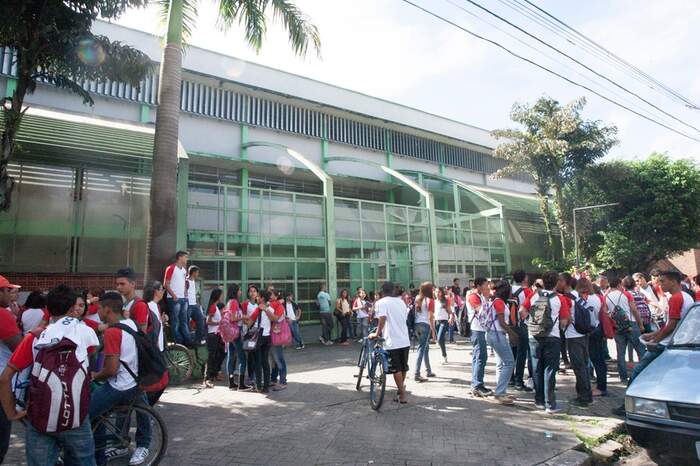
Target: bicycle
375	358
117	427
182	361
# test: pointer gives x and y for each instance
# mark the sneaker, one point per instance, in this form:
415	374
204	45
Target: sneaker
504	400
280	387
430	374
596	392
328	343
323	342
418	378
360	340
111	452
553	410
444	361
484	391
476	393
530	383
299	347
539	405
579	403
139	456
345	343
303	346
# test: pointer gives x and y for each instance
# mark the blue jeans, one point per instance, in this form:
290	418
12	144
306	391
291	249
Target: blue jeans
178	320
621	342
237	363
423	334
647	359
105	398
77	444
364	326
545	353
504	359
521	353
280	365
195	312
442	329
296	333
479	356
596	342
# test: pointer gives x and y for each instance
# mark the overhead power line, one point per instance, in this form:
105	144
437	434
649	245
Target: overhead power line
497	44
578	62
688	103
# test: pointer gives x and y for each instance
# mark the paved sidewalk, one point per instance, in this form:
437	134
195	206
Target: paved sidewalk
321	420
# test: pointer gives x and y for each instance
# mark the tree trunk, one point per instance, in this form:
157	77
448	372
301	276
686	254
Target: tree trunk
544	210
558	208
162	236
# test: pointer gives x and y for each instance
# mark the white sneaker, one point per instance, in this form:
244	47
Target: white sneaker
139	456
444	361
112	452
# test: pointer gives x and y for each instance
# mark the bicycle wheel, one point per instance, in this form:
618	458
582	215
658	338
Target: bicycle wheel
118	427
180	363
377	383
361	362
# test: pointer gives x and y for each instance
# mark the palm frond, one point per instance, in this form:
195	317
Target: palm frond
64	82
248	13
189	16
301	30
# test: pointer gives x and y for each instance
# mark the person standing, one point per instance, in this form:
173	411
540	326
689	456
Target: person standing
342	313
477	307
497	335
546	313
596	339
263	316
657	304
215	345
174	283
443	317
425	327
194	308
391	312
628	324
323	299
293	313
359	307
577	344
10	337
520	291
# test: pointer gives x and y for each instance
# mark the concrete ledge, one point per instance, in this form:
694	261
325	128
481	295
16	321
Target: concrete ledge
569	458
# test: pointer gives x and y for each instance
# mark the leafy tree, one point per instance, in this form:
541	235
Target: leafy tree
555	144
252	16
658	215
54	45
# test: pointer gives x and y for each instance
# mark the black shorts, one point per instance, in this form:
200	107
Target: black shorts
398	360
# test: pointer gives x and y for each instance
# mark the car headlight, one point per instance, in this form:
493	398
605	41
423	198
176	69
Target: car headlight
646	407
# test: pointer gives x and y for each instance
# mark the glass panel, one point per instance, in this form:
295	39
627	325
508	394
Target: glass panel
347	229
373	230
397	232
281	202
280	225
348	249
464	237
306	226
482	271
446	252
280	250
204	244
254	222
481	255
244	245
347	209
342	271
308	205
494	225
498	270
371	211
479	224
497	240
211	270
444	219
419	235
465	253
445	236
421	273
417	216
401	274
481	239
233	198
311	249
233	270
311	270
204	195
204	219
374	250
498	255
253	272
420	252
398	252
279	271
255	200
233	221
396	214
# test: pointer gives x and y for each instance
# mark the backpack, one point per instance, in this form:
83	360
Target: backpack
465	328
642	307
229	330
59	388
486	316
619	317
582	316
540	322
152	365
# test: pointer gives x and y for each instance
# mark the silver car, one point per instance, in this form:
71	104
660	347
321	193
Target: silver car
663	402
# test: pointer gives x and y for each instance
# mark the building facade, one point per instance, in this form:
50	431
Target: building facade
281	180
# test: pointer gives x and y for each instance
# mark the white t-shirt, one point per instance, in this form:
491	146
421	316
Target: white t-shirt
31	318
289	311
155	314
191	292
687	303
215	319
595	302
265	323
362	312
570	330
177	276
521	296
423	315
128	355
506	314
555	304
621	298
440	311
69	327
395	331
472	310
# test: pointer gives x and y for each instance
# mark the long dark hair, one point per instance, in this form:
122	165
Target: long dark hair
232	292
442	299
150	290
502	290
215	296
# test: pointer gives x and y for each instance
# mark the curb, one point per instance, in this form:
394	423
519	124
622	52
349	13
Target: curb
569	458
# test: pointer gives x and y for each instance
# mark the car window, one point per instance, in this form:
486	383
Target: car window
688	331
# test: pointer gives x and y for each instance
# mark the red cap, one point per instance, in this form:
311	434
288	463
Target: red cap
5	283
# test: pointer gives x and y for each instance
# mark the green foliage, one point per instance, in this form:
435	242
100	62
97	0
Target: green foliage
658	215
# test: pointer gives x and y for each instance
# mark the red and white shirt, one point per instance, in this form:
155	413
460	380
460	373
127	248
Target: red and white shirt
176	276
498	307
215	314
32	317
475	304
560	308
138	311
8	329
122	345
678	305
191	288
265	323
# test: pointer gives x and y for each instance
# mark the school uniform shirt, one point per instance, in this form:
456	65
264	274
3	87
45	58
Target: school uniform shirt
177	276
265	323
620	298
522	296
440	311
560	309
191	289
155	314
361	312
395	331
475	304
215	314
138	311
8	329
498	307
234	307
31	318
678	305
595	301
423	314
122	345
66	327
289	312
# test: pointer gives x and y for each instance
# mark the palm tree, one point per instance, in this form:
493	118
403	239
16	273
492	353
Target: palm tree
252	15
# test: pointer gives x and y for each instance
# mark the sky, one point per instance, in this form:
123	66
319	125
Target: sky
391	50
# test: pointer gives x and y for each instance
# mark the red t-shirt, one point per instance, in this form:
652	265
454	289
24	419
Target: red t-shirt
675	306
139	312
8	324
92	309
474	300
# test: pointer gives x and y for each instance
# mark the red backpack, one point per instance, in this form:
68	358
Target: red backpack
59	388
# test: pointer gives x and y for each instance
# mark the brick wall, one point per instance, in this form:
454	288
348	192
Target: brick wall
46	281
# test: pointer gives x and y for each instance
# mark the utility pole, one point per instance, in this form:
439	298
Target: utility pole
590	207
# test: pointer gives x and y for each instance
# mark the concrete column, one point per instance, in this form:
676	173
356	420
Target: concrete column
183	174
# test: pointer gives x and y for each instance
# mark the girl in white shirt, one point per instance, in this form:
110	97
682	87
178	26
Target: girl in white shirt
215	345
443	317
359	308
425	328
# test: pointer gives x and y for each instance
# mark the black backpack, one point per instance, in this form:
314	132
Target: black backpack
152	365
582	316
465	328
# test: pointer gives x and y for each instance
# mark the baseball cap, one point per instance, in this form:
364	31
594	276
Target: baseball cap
5	283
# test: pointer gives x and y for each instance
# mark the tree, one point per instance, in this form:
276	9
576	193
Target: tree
252	15
53	44
555	144
658	215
